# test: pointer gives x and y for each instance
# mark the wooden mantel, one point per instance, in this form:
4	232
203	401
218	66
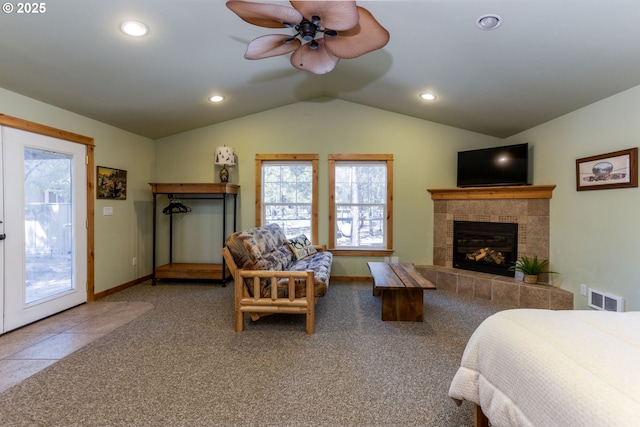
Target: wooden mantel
506	192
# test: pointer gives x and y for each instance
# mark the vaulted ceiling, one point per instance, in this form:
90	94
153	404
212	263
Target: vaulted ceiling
547	58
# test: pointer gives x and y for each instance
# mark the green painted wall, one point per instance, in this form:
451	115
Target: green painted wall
424	157
595	235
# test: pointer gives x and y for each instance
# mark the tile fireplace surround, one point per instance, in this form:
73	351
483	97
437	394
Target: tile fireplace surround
528	206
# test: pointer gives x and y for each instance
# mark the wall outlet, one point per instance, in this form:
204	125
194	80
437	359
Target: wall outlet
107	210
395	260
583	289
134	261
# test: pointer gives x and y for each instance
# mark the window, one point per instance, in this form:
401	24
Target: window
360	204
287	193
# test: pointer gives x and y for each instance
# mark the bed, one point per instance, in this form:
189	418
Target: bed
527	367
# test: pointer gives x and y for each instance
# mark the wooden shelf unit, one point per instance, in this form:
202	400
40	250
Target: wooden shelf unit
202	191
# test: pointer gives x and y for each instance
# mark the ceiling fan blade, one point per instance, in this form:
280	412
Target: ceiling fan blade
316	61
365	37
271	45
335	15
265	14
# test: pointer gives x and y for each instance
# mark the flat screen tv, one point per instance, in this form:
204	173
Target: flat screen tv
494	166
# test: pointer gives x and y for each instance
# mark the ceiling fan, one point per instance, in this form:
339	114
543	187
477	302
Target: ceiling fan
326	31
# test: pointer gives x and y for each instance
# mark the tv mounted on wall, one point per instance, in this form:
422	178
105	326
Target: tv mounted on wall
507	165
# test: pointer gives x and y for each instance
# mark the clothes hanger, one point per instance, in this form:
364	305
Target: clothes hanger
175	206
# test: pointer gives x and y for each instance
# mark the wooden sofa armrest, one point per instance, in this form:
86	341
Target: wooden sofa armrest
274	277
228	258
245	303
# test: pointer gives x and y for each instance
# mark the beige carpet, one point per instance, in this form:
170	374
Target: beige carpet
181	364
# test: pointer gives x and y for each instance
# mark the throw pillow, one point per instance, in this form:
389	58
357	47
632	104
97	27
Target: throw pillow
301	246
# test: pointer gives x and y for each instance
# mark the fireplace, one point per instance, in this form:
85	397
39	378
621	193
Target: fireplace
527	206
489	247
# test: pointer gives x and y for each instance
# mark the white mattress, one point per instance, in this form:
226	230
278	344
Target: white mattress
545	368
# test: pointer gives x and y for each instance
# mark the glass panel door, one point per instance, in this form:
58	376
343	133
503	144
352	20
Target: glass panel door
48	219
45	226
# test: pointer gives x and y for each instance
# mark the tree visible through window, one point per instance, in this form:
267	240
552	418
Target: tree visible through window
287	191
361	202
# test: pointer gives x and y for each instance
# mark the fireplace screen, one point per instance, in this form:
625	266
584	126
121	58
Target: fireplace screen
489	247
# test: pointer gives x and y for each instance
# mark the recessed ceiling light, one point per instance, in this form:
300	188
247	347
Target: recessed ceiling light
216	98
489	22
134	28
427	96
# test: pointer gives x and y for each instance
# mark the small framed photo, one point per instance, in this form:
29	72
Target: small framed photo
111	183
612	170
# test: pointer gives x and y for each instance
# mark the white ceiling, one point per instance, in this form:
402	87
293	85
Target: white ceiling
549	57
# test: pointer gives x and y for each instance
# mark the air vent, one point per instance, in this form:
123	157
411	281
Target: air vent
601	301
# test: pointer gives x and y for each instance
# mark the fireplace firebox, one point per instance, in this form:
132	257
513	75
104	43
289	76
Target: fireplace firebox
489	247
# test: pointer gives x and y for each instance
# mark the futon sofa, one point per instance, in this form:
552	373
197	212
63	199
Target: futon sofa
274	274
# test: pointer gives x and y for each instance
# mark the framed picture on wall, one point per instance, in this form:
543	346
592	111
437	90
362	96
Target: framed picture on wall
111	183
612	170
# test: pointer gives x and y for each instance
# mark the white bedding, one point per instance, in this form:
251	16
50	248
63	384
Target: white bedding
545	368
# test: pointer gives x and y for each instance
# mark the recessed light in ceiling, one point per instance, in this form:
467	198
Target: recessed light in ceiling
134	28
428	96
216	98
489	22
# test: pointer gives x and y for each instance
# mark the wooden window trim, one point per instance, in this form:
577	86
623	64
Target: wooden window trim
313	158
333	158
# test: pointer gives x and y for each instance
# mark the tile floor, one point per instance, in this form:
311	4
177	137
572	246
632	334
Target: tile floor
27	350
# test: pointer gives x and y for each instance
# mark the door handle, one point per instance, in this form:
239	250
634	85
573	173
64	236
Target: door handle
3	236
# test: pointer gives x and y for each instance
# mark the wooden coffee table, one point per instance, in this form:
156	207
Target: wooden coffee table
401	286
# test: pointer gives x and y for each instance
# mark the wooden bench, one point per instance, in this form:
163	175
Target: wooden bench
401	287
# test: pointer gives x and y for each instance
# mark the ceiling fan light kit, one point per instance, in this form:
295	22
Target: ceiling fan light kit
326	31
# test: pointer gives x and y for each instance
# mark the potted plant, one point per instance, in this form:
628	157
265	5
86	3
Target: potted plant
530	268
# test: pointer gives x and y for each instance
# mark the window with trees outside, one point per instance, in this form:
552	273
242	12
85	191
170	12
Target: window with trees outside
287	193
360	204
